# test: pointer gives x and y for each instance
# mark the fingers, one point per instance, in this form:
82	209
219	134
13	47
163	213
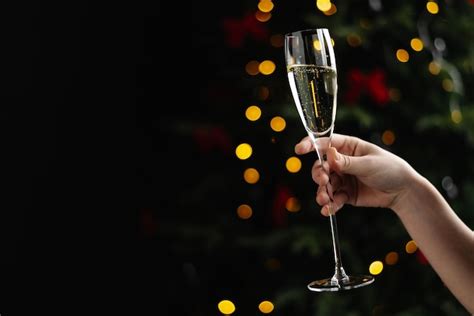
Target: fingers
358	166
319	174
340	198
324	191
304	146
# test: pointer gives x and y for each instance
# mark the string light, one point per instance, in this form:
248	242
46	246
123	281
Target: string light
253	113
376	267
456	116
432	7
293	164
416	44
251	175
244	211
226	307
434	68
402	55
411	247
263	16
293	205
243	151
265	6
388	137
323	5
252	68
353	40
332	10
391	258
266	307
278	123
267	67
448	85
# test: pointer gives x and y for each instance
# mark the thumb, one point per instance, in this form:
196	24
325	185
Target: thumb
346	164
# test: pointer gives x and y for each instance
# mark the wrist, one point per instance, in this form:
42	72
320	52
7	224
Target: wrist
416	188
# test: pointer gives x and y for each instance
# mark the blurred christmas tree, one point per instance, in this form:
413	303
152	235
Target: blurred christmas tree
242	225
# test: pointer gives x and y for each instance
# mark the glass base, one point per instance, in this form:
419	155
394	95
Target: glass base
333	285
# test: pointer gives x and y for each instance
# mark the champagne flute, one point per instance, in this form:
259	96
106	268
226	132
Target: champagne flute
312	75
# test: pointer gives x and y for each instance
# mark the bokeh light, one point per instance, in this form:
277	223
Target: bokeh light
293	164
332	10
263	93
267	67
277	40
402	55
416	44
226	307
243	151
251	175
394	94
252	68
434	68
293	205
266	307
448	85
456	116
263	16
253	113
376	267
244	211
411	246
265	5
354	40
388	137
391	258
317	45
278	123
323	5
432	7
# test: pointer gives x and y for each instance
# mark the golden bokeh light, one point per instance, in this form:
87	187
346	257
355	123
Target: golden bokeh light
332	10
243	151
416	44
448	85
244	211
411	246
293	205
394	94
226	307
266	307
293	164
263	93
432	7
253	113
251	175
317	45
388	137
252	68
456	116
391	258
277	40
265	5
402	55
434	68
353	40
323	5
376	267
332	42
263	16
278	123
267	67
272	264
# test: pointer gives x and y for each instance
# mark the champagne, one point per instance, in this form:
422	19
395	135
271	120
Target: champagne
314	89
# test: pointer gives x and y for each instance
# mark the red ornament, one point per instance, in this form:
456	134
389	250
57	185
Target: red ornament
238	29
373	84
279	213
209	138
